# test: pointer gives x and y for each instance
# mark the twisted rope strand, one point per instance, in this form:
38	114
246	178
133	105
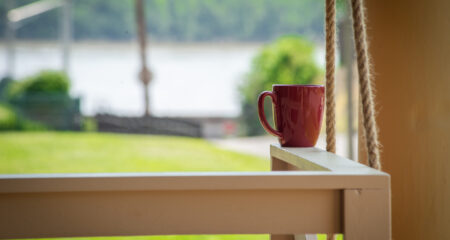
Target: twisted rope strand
330	32
365	84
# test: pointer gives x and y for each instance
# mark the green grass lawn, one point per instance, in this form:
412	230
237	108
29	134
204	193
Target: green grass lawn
67	152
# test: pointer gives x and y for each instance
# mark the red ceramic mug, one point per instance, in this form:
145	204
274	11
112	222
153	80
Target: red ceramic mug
298	113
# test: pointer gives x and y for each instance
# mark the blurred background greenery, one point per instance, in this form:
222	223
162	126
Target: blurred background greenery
289	60
192	20
39	102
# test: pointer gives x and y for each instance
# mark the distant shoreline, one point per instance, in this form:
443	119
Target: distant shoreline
96	43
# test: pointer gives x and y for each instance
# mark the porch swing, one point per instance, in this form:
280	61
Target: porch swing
308	191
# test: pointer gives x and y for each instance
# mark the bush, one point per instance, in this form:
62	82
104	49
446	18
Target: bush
10	121
287	61
44	83
43	101
8	118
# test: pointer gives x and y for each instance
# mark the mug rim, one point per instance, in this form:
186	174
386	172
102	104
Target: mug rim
297	85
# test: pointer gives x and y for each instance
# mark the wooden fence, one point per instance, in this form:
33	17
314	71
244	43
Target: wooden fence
147	125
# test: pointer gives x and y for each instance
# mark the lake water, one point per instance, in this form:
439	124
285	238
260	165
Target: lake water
189	80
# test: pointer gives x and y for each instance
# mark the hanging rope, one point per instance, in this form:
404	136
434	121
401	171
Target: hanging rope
330	30
365	84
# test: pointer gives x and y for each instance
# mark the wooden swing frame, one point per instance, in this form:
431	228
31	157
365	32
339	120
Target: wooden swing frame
308	191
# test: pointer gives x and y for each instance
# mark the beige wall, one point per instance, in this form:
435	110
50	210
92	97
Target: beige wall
410	46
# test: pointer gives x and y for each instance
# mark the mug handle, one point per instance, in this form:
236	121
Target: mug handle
262	116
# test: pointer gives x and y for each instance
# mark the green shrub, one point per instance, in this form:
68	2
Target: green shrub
289	60
43	100
11	121
8	118
44	83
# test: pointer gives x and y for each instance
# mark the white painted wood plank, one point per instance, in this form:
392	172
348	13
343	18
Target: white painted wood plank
187	181
315	159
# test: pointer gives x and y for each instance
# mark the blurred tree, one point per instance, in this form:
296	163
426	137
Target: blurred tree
289	60
187	20
44	83
145	75
100	19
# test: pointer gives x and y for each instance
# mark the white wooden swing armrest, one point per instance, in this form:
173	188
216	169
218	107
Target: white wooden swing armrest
69	205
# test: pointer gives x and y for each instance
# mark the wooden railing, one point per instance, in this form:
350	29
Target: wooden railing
329	194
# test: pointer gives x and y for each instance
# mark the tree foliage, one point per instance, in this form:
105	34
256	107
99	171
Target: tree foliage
186	20
289	60
44	83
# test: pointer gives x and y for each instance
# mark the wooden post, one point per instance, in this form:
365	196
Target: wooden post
279	165
410	48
